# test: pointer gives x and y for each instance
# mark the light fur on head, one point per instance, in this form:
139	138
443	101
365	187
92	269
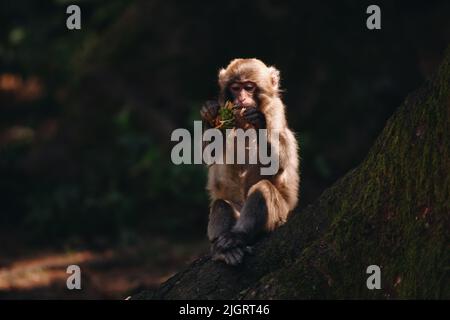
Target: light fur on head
266	78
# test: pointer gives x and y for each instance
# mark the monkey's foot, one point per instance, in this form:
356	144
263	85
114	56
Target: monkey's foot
230	248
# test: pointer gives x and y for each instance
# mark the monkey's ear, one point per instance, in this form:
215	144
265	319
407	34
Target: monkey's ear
274	77
222	74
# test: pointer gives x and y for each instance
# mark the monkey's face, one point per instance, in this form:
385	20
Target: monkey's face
243	94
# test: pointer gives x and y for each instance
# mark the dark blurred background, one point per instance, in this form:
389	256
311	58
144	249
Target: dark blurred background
86	118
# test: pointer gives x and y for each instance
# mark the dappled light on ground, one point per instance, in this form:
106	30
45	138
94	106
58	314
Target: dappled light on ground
113	273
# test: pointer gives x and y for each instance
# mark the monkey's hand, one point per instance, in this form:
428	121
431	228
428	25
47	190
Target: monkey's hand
230	248
209	112
255	117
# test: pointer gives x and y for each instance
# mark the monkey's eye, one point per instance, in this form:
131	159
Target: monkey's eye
249	87
235	88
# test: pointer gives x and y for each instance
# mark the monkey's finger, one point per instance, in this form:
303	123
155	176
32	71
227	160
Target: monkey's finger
227	244
210	107
233	242
228	259
240	253
218	257
219	241
254	118
234	257
205	115
259	121
251	111
223	243
251	115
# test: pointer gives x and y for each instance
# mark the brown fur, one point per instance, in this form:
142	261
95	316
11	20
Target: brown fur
235	183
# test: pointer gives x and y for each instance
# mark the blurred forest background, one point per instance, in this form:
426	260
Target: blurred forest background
86	118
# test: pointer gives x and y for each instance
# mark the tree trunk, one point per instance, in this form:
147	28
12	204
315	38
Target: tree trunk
391	211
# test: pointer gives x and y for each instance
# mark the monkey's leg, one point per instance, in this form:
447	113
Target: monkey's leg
221	220
264	210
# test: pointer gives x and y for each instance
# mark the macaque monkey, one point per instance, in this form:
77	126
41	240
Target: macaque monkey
244	203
